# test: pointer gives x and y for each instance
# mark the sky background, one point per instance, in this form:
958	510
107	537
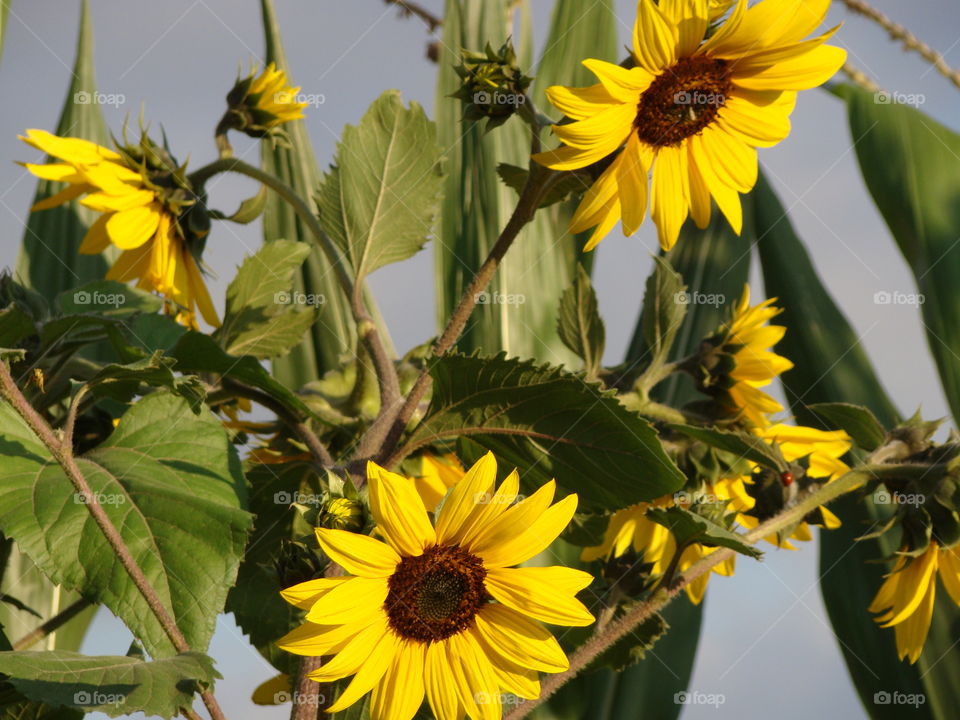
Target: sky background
766	641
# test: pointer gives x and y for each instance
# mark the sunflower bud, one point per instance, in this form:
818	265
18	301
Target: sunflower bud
259	103
493	86
341	514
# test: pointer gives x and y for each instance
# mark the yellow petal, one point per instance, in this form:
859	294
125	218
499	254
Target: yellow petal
603	132
368	673
104	202
64	196
199	293
655	39
690	19
491	507
533	539
438	682
359	651
700	205
399	511
461	504
130	229
757	125
668	196
73	150
802	73
359	555
734	163
915	581
520	640
598	200
634	164
543	593
473	677
580	103
58	172
96	240
727	198
354	601
399	694
305	594
622	84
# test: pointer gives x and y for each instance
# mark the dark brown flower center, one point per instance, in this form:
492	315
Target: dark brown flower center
682	100
435	595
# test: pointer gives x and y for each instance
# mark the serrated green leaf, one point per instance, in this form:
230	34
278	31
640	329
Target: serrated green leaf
858	422
296	165
549	424
909	163
379	200
112	684
49	261
830	365
664	308
122	382
15	325
170	482
264	317
743	445
579	324
688	527
516	178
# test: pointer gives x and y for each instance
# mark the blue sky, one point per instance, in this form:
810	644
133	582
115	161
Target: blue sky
766	640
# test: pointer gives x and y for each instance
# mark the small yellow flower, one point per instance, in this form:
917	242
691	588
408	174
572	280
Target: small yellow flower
905	600
142	217
743	362
259	103
693	109
438	610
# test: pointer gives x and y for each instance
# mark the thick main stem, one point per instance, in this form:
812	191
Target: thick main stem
63	454
619	628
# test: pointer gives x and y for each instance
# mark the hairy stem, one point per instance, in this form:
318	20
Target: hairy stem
63	454
614	631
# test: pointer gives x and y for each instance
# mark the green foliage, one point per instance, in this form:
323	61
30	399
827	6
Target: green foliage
741	444
857	420
122	382
663	310
112	684
379	200
170	482
688	527
579	324
549	424
262	318
909	163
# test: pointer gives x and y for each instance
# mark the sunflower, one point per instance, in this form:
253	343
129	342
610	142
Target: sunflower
630	528
907	595
437	609
438	473
144	214
822	450
692	109
736	362
259	103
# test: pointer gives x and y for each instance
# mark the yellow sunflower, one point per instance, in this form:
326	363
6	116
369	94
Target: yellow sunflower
907	595
437	610
693	109
740	361
259	103
140	216
823	450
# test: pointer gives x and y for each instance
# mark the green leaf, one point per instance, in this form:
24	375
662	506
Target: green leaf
516	178
49	260
579	324
112	684
122	382
743	445
909	163
296	165
664	308
199	353
831	366
170	482
264	318
16	324
633	647
549	424
108	297
858	422
379	201
688	527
